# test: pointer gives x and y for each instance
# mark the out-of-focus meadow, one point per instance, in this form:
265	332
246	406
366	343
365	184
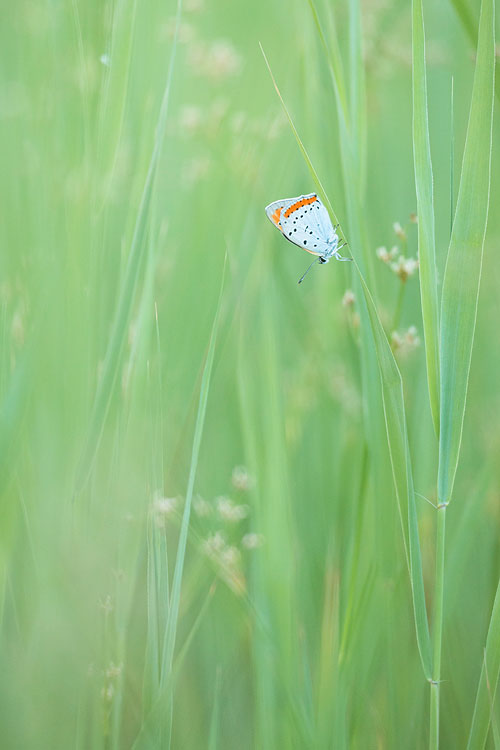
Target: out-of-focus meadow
137	155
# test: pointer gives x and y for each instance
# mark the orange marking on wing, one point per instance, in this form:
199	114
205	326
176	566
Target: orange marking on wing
276	216
299	204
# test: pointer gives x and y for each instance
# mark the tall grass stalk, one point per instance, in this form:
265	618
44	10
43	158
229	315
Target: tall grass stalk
118	335
395	421
437	634
157	724
459	309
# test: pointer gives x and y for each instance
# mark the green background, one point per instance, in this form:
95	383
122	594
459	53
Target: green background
307	640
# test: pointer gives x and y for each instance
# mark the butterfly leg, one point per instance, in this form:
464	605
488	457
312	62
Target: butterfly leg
338	255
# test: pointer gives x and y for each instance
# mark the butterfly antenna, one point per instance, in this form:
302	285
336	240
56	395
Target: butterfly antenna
309	268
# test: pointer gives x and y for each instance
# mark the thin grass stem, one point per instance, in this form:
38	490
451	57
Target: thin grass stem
437	628
399	306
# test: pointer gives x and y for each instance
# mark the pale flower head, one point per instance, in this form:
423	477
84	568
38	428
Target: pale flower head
106	604
229	511
190	119
241	479
405	342
186	32
216	61
404	267
399	231
385	255
214	544
348	299
113	671
163	508
230	557
252	540
108	691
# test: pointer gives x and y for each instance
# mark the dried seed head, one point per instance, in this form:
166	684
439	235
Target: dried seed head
404	267
241	479
399	231
229	511
348	299
382	254
163	508
405	342
214	544
252	540
113	671
230	557
190	120
106	604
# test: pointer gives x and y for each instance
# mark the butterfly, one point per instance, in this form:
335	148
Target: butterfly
306	222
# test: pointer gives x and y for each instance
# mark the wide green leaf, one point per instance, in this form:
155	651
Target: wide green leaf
397	437
465	254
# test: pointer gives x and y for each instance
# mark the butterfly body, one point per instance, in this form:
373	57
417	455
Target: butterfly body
305	222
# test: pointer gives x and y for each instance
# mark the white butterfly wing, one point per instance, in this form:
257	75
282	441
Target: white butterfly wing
307	224
325	222
275	209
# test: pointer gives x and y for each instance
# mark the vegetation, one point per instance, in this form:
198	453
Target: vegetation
238	512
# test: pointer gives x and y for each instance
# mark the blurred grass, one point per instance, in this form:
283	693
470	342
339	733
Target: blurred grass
307	640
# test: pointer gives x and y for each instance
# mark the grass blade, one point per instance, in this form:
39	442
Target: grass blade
487	682
468	21
463	266
392	391
312	171
394	412
169	642
333	56
459	308
119	330
157	722
395	418
425	211
357	93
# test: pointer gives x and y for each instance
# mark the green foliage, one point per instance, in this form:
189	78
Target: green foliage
465	258
201	545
